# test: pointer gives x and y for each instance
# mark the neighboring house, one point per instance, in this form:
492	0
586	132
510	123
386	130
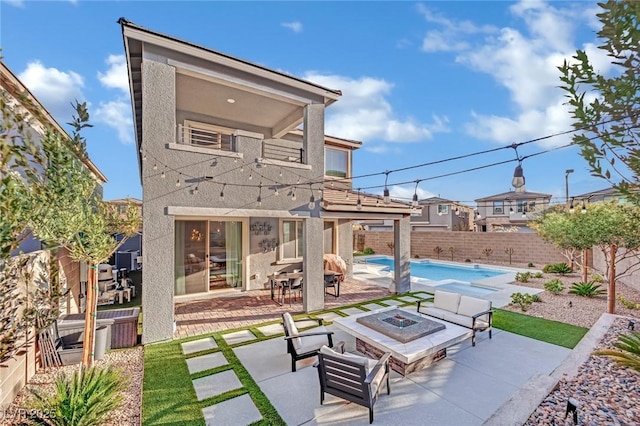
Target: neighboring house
17	97
607	194
440	214
129	254
233	190
509	211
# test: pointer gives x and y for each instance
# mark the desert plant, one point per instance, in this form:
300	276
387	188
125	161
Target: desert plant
452	250
547	268
437	250
391	246
554	286
535	298
524	300
86	398
509	251
467	260
530	265
557	268
487	252
368	250
629	353
587	289
523	277
538	275
629	304
597	278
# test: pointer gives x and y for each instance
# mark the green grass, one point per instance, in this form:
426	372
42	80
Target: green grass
557	333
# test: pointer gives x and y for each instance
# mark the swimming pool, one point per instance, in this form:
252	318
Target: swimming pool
439	271
465	288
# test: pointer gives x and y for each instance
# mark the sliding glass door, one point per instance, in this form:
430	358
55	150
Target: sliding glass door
208	255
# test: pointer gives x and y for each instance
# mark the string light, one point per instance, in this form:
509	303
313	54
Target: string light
312	199
195	190
359	202
178	180
571	210
259	200
584	207
222	192
346	194
163	175
293	195
414	202
155	166
387	198
275	191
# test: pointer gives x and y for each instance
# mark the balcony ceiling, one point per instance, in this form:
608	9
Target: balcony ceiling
210	98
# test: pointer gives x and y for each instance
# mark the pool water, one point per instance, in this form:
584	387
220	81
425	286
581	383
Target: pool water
439	272
469	290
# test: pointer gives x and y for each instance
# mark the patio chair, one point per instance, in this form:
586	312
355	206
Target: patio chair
306	344
295	286
331	281
352	377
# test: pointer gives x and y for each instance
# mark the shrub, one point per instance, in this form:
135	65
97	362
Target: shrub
547	268
587	289
561	268
86	398
368	250
597	278
452	250
538	275
437	250
554	286
468	260
487	252
531	265
535	298
629	304
629	353
523	277
524	300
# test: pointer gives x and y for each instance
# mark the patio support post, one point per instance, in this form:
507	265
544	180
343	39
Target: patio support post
313	229
401	255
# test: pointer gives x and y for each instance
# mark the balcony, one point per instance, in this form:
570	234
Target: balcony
272	150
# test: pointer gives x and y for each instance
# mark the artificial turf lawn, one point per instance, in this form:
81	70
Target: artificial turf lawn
557	333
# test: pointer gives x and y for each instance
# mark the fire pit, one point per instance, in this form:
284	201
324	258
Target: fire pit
401	325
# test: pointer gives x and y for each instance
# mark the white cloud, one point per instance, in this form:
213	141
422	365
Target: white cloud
524	61
117	114
364	112
56	90
16	3
116	75
294	26
406	193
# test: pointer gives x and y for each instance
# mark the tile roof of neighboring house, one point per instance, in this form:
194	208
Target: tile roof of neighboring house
336	200
125	200
603	192
512	195
12	84
439	200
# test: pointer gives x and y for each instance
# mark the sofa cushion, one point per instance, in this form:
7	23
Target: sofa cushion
469	306
434	312
311	343
368	363
462	320
446	300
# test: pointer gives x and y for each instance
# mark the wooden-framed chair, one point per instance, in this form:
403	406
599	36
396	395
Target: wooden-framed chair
306	344
352	377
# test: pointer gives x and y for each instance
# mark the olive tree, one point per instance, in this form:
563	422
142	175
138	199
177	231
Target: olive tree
606	108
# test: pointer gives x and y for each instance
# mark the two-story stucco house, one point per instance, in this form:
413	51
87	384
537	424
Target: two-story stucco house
440	214
238	177
509	211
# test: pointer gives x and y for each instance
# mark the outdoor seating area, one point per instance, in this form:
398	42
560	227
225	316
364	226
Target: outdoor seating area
303	345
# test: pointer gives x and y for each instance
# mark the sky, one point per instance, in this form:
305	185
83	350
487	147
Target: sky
421	82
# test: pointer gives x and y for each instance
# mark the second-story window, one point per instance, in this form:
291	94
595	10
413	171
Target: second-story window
336	162
443	209
522	206
498	207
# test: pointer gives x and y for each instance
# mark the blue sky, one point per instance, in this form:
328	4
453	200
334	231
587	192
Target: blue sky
421	82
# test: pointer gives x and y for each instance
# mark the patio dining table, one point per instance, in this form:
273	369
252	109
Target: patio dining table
281	279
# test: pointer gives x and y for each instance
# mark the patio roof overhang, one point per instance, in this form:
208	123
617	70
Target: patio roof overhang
337	201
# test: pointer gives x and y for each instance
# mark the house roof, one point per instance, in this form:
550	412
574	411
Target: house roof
333	140
12	84
265	101
125	200
512	195
602	192
439	200
337	201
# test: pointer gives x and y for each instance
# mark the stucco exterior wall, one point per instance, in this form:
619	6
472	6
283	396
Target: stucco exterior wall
528	247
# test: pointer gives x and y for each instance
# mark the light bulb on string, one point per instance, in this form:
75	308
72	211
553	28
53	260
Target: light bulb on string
195	190
222	192
293	195
387	198
275	191
259	200
155	166
359	202
415	203
312	199
163	175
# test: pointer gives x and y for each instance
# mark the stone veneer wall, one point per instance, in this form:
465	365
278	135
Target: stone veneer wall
528	247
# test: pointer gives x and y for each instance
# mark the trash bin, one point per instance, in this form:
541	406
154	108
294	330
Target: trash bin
101	342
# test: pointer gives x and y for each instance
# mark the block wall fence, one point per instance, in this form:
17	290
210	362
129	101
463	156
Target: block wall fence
527	247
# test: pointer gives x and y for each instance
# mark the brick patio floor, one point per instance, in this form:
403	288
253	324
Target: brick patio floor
253	307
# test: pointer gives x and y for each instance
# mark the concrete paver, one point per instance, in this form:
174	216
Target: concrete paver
206	362
198	345
238	337
216	384
237	411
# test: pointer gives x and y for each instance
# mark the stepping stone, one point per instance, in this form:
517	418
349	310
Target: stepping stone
236	411
198	345
216	384
329	316
409	299
373	306
352	311
306	323
392	302
271	329
238	337
206	362
423	295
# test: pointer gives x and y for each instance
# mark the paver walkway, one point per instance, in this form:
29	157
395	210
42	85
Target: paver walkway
254	307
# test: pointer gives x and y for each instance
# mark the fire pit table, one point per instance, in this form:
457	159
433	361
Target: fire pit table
414	340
